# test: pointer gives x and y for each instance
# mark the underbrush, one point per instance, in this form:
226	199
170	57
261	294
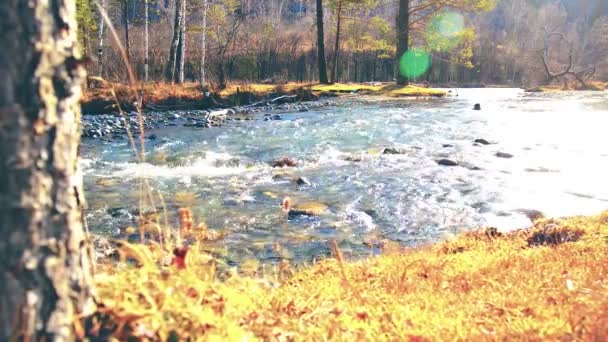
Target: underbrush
549	282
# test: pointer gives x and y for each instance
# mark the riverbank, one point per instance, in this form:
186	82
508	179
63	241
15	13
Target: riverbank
106	97
547	282
555	88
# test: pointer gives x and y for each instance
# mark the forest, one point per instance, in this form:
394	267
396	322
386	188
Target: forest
468	42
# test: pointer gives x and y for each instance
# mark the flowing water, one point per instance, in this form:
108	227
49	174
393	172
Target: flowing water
559	165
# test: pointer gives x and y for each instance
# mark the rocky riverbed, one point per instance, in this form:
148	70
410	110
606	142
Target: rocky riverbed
112	126
280	182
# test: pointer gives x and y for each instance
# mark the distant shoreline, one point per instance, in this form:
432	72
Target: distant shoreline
106	97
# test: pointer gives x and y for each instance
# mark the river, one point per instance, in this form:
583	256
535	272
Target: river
558	166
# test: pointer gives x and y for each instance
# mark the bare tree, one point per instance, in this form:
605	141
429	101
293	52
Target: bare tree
45	273
567	71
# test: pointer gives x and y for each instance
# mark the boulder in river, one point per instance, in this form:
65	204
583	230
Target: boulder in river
482	142
307	209
303	181
283	162
303	209
477	106
503	155
394	150
446	162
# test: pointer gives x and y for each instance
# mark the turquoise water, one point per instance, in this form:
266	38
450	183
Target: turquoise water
559	163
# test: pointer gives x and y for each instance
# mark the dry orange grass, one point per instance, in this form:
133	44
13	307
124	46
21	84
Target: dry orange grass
153	92
167	94
549	282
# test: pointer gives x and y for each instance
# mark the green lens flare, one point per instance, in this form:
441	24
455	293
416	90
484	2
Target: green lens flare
414	63
442	32
450	24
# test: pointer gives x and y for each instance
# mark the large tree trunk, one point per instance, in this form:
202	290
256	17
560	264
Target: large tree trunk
45	268
403	22
334	69
321	44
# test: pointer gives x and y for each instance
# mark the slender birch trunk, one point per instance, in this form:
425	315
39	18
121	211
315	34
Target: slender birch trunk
175	44
183	43
204	43
146	41
100	37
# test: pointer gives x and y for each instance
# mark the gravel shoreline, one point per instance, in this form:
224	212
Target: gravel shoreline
113	125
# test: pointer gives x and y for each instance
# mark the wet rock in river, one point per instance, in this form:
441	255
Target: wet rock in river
477	106
482	142
232	162
118	212
394	150
231	202
307	209
354	158
503	155
275	117
446	162
303	181
470	166
284	162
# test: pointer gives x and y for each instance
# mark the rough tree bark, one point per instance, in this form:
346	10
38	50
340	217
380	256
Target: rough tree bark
45	273
402	36
321	44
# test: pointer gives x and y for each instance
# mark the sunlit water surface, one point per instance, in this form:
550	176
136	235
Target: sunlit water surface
559	165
